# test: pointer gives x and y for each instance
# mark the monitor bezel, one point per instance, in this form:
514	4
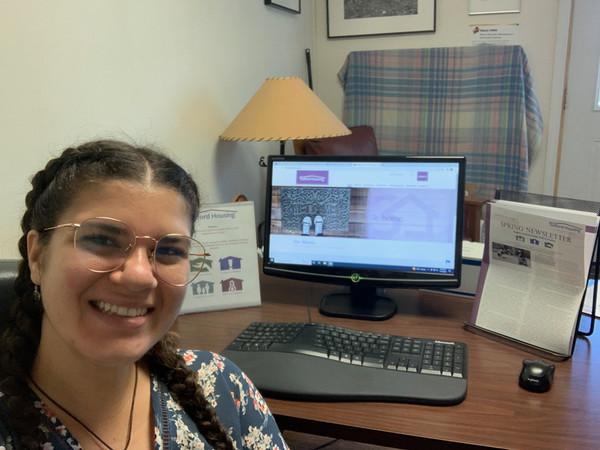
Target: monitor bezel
379	278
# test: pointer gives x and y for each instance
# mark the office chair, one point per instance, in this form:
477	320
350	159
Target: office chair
565	203
362	141
8	273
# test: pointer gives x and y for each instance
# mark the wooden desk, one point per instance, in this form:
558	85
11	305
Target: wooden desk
496	412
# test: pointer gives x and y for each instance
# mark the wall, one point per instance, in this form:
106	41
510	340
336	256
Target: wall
537	34
176	74
173	73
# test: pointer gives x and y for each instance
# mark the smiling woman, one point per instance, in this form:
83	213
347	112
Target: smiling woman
87	360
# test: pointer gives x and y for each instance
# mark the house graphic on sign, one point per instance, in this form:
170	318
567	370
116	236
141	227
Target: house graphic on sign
207	267
232	285
230	263
203	287
199	264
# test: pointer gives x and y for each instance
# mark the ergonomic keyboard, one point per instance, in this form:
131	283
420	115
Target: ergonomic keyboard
318	362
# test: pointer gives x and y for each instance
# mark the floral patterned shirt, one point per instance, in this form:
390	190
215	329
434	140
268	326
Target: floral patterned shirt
241	410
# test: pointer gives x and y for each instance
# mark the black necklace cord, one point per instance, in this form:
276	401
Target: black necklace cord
88	429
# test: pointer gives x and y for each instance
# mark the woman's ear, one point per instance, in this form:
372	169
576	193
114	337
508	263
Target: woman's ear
34	255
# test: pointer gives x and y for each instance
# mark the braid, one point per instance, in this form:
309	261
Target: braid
21	339
166	362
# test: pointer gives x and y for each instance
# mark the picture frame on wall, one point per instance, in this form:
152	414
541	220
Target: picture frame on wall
292	6
356	18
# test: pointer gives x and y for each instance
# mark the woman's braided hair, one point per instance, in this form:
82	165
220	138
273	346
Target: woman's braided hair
53	188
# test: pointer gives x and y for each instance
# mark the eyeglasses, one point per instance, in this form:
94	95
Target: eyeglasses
103	245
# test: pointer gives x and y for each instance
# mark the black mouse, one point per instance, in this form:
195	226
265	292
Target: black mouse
536	375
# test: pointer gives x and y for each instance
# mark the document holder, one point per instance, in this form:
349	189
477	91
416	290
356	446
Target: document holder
566	203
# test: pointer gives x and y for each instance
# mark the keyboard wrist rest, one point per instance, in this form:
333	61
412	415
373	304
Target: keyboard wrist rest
301	377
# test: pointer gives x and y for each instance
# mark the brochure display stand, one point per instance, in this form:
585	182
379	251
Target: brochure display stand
229	278
535	270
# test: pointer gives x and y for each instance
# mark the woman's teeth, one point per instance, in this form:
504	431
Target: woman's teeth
107	308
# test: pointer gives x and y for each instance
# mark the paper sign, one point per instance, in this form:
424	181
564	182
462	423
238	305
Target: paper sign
229	278
495	34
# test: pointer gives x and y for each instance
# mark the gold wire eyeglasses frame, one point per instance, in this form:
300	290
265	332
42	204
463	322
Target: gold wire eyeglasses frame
111	244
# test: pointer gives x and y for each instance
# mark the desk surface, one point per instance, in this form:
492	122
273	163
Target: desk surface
496	412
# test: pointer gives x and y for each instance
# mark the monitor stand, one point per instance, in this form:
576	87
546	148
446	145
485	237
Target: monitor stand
365	303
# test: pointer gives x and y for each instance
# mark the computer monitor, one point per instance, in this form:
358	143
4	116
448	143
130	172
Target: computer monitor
366	222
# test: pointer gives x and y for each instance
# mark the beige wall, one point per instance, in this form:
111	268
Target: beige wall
537	34
173	73
176	73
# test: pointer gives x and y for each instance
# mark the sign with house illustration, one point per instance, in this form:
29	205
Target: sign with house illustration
232	285
230	263
229	276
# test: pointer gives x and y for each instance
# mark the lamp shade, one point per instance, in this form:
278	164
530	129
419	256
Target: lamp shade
284	109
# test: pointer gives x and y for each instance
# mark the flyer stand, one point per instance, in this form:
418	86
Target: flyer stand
567	203
537	266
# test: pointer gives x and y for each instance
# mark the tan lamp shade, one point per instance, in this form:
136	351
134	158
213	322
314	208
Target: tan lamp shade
284	109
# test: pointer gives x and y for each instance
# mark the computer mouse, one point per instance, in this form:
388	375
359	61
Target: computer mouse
536	375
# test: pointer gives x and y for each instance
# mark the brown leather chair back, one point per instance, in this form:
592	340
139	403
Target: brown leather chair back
362	141
8	274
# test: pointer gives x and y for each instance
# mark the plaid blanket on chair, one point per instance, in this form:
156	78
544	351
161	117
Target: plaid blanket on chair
474	101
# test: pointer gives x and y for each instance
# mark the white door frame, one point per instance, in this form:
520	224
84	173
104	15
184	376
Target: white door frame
559	83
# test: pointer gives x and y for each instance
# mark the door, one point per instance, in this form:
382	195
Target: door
579	170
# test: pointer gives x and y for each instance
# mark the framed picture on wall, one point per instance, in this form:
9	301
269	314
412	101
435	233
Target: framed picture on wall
354	18
287	5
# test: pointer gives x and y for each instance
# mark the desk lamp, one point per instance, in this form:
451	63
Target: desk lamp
284	109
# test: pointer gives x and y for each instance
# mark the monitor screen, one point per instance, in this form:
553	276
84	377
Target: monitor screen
367	222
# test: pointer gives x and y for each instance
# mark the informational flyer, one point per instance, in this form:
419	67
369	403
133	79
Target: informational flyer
534	273
229	278
495	34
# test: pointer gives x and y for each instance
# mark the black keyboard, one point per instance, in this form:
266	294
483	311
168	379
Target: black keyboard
311	361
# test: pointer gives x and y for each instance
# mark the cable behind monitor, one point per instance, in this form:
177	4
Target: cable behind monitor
308	299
